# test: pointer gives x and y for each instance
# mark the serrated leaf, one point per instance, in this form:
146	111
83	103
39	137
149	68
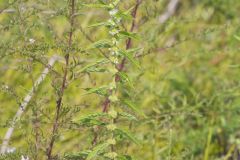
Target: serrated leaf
100	90
95	70
92	67
92	116
96	150
127	12
101	44
95	5
99	24
127	135
124	15
130	58
124	78
134	108
133	50
91	120
129	34
77	156
128	116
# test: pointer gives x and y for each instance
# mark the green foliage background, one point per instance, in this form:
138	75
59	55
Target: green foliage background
188	86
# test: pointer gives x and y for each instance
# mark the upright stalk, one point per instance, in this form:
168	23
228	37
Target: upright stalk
121	65
63	86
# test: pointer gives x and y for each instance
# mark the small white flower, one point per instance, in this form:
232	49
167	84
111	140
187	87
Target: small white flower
10	150
116	61
6	86
114	41
113	12
114	32
117	20
111	22
24	158
31	40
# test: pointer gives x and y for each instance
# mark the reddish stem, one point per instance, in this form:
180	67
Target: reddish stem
63	87
121	66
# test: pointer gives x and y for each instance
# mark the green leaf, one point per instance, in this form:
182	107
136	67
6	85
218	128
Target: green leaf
99	148
128	12
116	2
124	157
93	67
77	156
129	34
128	116
125	79
134	108
93	116
125	14
91	120
96	70
237	37
99	24
127	135
95	5
103	90
130	58
101	44
102	2
133	50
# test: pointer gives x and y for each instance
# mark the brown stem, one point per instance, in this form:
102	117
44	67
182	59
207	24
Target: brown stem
121	66
36	126
63	87
92	41
129	40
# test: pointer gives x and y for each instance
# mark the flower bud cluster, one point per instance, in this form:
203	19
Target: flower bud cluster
114	56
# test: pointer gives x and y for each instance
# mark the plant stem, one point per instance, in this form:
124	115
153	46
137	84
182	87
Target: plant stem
129	40
121	66
128	46
24	104
63	87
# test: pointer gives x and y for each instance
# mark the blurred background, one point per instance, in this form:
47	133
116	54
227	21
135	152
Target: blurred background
188	86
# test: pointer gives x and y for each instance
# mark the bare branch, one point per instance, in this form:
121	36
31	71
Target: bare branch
171	9
25	103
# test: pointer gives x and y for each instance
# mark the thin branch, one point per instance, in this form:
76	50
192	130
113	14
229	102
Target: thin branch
63	87
6	10
129	41
171	9
24	104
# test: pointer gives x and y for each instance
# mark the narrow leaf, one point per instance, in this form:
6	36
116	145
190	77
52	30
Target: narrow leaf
127	135
134	108
129	34
100	90
95	5
76	156
92	116
92	67
98	24
128	116
101	44
99	148
130	58
124	78
237	37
